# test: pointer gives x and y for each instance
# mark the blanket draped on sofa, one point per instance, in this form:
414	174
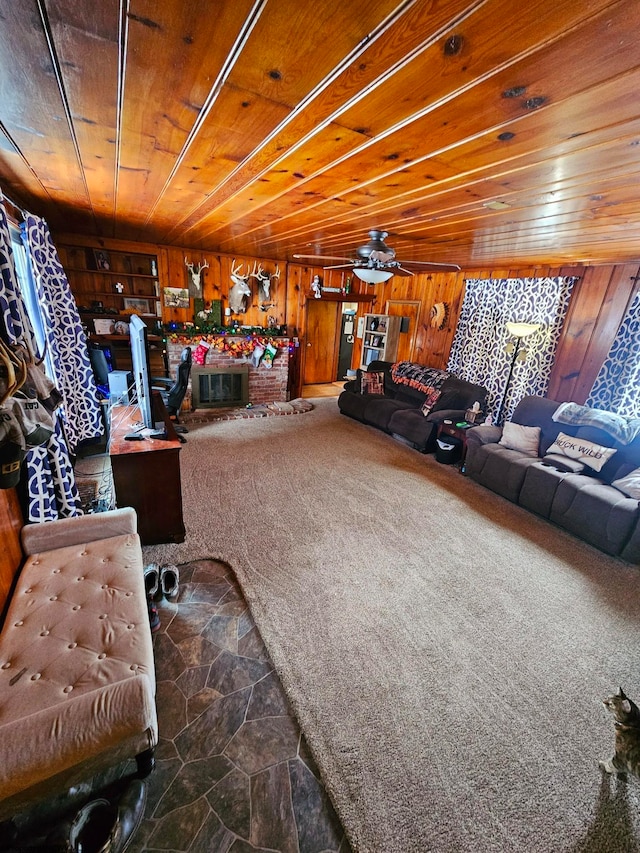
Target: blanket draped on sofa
619	427
418	376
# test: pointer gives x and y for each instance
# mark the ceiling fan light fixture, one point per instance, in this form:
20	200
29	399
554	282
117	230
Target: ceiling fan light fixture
371	276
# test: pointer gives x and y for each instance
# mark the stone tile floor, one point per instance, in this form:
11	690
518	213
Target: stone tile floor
233	772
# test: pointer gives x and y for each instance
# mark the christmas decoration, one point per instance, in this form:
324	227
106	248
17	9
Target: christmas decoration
258	346
200	352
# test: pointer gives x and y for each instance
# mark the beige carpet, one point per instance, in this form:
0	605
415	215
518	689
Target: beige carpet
446	652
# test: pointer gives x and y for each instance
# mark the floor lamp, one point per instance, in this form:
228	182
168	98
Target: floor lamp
518	331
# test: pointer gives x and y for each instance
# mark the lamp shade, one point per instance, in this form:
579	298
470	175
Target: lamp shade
372	276
522	330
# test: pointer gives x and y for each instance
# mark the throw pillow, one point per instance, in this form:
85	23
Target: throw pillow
629	484
563	463
526	439
592	454
372	383
431	399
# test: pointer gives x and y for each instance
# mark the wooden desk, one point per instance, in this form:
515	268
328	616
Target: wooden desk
146	474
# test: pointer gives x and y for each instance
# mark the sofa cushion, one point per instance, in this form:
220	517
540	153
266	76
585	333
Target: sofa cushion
526	439
588	452
412	425
353	403
499	469
460	395
378	411
629	484
539	487
538	411
595	511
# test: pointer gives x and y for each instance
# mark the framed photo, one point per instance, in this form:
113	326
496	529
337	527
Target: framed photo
135	305
176	297
102	259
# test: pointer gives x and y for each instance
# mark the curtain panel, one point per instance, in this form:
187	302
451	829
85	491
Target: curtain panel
66	340
47	478
617	385
480	351
15	326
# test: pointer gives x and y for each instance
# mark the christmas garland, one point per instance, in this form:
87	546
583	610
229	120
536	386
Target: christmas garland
257	346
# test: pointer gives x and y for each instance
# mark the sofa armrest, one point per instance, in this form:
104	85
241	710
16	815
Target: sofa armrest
49	535
484	434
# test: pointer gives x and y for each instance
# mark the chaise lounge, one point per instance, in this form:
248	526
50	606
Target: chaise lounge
77	681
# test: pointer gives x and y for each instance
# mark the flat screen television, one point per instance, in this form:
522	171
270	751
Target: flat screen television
140	368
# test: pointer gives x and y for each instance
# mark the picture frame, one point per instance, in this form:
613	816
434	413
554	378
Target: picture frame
102	259
176	297
136	305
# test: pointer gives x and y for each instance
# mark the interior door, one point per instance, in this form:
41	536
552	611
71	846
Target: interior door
321	341
410	310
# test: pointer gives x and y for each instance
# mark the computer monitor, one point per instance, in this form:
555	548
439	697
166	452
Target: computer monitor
140	367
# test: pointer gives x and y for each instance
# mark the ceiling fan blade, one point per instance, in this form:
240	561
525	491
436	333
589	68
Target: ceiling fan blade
348	266
430	265
401	271
321	258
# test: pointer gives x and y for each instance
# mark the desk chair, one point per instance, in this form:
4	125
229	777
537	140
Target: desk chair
173	393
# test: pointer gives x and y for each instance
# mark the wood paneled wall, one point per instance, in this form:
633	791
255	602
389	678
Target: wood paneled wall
11	552
598	304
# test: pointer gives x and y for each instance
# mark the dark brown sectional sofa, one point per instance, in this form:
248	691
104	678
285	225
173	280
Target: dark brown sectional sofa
585	503
399	410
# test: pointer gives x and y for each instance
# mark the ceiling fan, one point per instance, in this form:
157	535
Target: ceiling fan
376	261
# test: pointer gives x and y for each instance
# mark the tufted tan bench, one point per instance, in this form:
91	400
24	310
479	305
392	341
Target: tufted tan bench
77	682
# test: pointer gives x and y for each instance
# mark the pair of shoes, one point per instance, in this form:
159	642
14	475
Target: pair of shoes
152	581
169	582
101	826
154	616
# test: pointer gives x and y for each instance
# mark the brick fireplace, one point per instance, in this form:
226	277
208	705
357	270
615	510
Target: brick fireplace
265	385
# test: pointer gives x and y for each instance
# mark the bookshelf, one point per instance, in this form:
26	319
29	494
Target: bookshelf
380	339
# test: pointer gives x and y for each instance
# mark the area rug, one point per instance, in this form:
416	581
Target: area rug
445	651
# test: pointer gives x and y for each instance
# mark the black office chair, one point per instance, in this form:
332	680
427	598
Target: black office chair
173	393
100	367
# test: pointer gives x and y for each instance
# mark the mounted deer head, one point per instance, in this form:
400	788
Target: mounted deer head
195	274
264	280
240	288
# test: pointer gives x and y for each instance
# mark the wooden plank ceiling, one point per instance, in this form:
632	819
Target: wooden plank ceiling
274	127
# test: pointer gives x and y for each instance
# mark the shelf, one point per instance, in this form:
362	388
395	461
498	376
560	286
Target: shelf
385	334
113	273
343	297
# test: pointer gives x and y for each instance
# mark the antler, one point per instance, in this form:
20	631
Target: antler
276	274
235	270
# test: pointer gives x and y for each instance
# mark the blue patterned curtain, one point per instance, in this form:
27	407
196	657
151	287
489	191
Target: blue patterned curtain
15	327
617	386
480	351
66	340
50	482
